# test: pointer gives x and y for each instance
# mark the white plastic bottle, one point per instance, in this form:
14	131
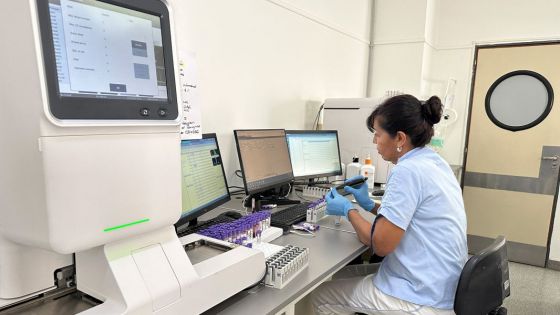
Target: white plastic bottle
368	170
353	169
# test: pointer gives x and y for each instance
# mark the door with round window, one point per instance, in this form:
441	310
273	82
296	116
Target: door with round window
512	160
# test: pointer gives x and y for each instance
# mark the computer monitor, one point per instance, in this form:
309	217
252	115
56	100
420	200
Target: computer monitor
314	153
204	184
105	60
264	159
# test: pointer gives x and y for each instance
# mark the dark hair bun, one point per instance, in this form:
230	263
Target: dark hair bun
432	110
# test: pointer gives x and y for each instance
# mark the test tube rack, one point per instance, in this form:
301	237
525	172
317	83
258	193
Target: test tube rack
285	265
244	231
314	192
316	210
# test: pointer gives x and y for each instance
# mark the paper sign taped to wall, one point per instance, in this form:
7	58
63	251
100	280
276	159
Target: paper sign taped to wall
191	124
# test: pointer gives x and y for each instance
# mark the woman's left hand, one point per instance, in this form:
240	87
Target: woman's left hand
337	204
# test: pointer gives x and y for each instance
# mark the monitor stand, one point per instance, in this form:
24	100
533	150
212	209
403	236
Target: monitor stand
278	201
271	196
260	201
315	181
181	228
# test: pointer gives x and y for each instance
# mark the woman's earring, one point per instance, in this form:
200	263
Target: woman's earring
399	149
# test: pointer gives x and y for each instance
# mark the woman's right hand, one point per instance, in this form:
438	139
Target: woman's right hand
360	193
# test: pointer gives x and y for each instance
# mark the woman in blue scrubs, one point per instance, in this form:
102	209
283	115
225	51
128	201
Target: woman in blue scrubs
420	227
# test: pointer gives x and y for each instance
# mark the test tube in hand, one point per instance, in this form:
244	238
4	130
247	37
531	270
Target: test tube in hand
337	220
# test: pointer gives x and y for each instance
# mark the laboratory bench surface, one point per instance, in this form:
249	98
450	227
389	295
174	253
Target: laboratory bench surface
332	248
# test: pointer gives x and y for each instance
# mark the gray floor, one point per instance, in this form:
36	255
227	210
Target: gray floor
534	291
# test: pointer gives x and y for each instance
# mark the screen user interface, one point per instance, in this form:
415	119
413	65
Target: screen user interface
264	157
203	179
314	153
106	51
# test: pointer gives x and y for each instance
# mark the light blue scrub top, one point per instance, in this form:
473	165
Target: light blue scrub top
423	198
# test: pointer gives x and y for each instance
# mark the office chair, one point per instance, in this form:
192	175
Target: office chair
484	282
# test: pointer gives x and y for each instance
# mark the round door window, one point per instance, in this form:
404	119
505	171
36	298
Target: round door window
519	100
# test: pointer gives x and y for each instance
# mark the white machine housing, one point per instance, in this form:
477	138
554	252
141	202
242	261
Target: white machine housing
68	180
107	190
64	182
140	276
348	116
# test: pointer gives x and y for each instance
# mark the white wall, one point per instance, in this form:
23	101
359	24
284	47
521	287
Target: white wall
261	62
405	58
461	23
398	46
448	32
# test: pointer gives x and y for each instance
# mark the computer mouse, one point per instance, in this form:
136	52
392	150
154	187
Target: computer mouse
378	193
232	214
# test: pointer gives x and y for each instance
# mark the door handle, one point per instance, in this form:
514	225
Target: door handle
550	158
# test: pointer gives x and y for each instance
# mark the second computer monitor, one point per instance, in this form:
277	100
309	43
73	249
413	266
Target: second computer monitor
314	153
204	184
264	159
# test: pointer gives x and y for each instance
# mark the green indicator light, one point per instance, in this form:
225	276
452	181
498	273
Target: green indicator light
125	225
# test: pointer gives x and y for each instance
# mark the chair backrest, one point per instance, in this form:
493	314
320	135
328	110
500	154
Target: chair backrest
484	281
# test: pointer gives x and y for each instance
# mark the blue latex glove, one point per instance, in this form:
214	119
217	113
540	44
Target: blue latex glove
360	193
337	204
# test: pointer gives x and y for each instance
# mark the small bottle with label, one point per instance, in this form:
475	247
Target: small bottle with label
368	170
353	169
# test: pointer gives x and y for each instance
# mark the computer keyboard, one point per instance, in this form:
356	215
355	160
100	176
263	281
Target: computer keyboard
286	217
182	231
